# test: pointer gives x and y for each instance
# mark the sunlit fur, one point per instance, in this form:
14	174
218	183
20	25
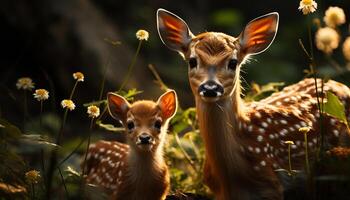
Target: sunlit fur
146	160
136	171
144	114
214	50
231	128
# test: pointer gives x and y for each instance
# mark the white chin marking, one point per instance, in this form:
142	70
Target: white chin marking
201	93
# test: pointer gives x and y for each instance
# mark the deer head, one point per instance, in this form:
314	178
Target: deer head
214	59
144	121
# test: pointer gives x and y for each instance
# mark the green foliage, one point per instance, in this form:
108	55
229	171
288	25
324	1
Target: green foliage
260	92
227	18
185	153
334	107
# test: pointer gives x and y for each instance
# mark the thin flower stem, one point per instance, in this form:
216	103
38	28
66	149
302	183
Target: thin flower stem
63	182
25	113
306	156
41	112
58	140
33	191
104	77
42	150
88	145
73	90
312	65
102	113
131	66
289	160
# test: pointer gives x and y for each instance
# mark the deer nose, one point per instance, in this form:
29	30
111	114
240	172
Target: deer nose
210	89
145	138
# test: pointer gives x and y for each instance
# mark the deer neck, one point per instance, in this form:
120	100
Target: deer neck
219	126
143	166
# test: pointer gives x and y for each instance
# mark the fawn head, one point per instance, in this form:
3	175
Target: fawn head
145	122
214	59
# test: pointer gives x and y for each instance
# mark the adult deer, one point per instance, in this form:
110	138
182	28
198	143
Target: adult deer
244	141
136	170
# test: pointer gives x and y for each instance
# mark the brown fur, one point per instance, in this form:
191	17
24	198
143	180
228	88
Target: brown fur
244	141
133	171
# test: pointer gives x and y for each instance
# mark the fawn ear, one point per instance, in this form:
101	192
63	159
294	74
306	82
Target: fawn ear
118	106
259	33
173	31
168	104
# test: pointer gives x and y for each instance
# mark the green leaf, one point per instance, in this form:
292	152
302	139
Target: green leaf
95	103
334	107
129	95
38	140
72	172
109	127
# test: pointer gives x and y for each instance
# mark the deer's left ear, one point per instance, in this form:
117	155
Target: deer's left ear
259	33
168	104
173	31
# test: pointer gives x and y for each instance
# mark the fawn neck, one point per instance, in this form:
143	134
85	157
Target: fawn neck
145	165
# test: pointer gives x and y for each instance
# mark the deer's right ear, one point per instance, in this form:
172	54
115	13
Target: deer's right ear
118	106
173	31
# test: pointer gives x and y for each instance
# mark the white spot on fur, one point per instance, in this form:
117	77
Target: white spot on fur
264	124
336	133
283	121
257	114
250	128
268	120
261	130
250	148
260	138
257	150
283	132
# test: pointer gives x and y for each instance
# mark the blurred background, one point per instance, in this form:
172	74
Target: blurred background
48	40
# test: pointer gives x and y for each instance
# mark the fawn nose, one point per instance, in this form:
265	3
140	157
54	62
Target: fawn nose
210	89
145	138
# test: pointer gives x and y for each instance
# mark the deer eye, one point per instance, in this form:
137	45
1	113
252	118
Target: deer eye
232	64
158	124
192	63
130	125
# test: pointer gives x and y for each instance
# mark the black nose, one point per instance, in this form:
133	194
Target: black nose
211	89
145	138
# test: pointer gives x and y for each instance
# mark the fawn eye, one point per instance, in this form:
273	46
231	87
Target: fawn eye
130	125
232	64
192	63
158	124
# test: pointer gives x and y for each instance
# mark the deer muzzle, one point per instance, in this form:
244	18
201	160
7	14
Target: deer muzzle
210	88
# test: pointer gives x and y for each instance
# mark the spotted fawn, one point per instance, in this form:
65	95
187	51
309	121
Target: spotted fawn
244	142
135	170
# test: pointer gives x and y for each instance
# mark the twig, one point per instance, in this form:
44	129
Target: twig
177	139
63	182
158	80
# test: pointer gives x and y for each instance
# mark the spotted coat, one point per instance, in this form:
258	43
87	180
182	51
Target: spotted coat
278	118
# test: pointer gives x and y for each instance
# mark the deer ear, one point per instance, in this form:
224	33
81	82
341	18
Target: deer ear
118	106
168	104
173	31
259	33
